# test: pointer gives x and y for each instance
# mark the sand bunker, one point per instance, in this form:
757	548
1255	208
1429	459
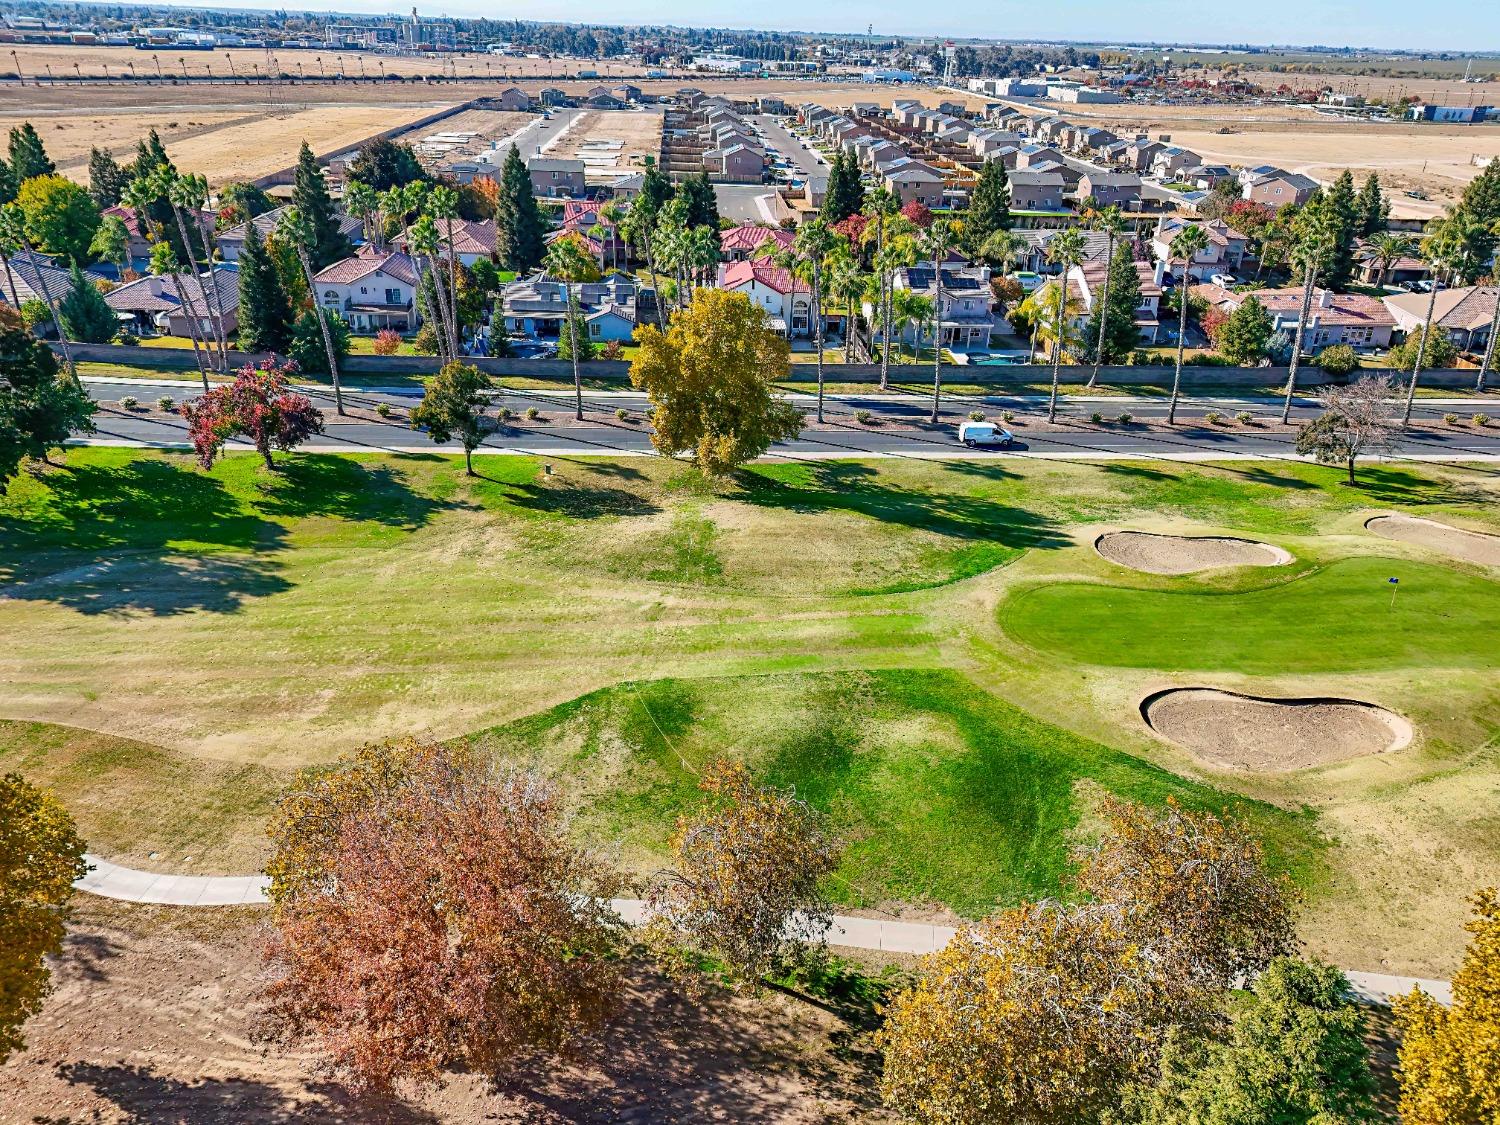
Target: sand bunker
1181	554
1247	732
1471	546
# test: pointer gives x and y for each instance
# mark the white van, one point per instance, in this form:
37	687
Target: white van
975	434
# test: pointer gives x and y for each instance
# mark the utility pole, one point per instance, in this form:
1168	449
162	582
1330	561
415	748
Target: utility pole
17	61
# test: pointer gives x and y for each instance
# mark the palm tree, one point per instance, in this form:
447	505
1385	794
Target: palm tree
570	263
443	203
1489	347
1308	251
1065	251
139	195
361	201
881	206
700	254
1004	247
13	232
390	204
638	228
1449	246
847	283
1387	248
298	232
1186	245
422	242
806	259
900	252
184	195
1112	223
935	242
609	219
913	309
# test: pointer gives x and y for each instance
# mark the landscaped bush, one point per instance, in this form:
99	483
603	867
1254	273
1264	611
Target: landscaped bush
622	414
613	350
1214	417
505	413
1008	415
1126	418
976	415
865	418
532	414
1096	418
1244	417
130	339
1338	360
165	404
129	402
1451	419
1481	420
383	409
387	341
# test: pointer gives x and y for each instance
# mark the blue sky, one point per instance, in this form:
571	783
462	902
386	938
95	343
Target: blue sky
1452	25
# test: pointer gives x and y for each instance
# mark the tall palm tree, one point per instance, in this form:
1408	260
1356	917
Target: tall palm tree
610	215
571	264
183	194
846	283
443	204
1112	223
1449	246
1005	247
1389	247
914	310
1065	251
361	201
1489	346
1308	251
882	207
807	259
900	251
391	204
1186	245
700	253
639	229
298	232
935	242
139	195
422	242
13	233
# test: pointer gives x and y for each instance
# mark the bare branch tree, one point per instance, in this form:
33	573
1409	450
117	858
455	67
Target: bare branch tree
1357	421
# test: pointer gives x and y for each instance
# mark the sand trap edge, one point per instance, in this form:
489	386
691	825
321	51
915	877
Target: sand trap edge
1486	537
1280	556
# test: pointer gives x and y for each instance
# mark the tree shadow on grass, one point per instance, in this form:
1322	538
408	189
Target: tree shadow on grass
149	1098
344	488
851	487
1386	484
579	502
1135	472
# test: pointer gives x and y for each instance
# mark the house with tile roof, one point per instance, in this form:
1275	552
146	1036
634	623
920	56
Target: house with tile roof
786	299
1333	318
31	276
1086	286
153	304
1466	313
372	290
472	239
743	243
1225	252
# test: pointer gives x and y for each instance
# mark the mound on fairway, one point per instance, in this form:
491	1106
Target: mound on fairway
1183	554
1250	732
1471	546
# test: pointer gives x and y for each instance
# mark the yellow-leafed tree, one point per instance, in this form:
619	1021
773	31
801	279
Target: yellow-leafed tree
40	856
1450	1057
711	379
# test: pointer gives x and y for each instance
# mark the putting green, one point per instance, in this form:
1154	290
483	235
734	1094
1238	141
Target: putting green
1337	619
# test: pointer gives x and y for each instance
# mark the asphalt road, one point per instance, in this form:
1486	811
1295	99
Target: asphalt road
776	135
906	432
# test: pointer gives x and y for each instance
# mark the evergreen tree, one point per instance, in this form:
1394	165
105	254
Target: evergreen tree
1481	202
703	205
107	179
307	341
8	184
85	315
310	197
28	156
845	194
989	206
1121	337
1246	334
656	190
384	164
265	310
151	155
587	349
1373	208
38	409
1340	212
519	218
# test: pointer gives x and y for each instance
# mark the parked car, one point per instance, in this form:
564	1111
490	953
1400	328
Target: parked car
974	434
1223	280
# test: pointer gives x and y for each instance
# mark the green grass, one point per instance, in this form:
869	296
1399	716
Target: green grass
1340	618
945	793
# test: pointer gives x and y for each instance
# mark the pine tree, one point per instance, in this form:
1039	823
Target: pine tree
845	194
107	179
86	317
1341	214
989	206
1246	333
656	189
265	311
1373	208
310	197
1481	202
1121	337
151	154
28	156
8	184
703	205
520	219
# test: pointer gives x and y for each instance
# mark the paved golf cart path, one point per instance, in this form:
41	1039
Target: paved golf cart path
110	880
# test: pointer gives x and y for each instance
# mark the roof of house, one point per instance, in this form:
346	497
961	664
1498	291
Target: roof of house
554	164
1292	179
469	236
1346	309
1095	242
159	293
1030	177
1218	231
1113	179
1095	270
1466	308
956	279
366	262
750	237
349	226
29	270
762	271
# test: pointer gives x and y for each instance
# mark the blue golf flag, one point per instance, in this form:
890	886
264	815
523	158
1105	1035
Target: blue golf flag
1393	581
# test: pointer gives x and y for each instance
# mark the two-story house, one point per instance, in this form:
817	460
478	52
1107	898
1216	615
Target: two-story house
1107	189
537	306
1036	191
743	243
472	239
967	318
556	177
1086	287
1277	189
372	290
1224	253
786	299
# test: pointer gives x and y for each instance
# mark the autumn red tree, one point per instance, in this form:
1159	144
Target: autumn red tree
428	912
259	405
917	213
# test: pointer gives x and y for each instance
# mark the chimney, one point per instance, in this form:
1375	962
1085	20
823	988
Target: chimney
1158	272
1325	299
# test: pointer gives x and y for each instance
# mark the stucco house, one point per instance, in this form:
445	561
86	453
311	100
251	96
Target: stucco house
372	290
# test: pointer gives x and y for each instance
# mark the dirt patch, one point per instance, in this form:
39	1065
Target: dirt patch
151	1014
1471	546
1247	732
1184	554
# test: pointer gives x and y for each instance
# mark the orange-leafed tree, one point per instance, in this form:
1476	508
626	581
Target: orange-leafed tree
1450	1057
745	887
428	912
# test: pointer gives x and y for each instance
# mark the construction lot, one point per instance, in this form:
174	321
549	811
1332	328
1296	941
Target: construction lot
611	143
467	133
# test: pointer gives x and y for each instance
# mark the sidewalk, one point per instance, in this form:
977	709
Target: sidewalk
110	880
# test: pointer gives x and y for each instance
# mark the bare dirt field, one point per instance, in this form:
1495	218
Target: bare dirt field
485	125
611	143
1441	91
1471	546
151	1020
223	143
1179	554
1248	733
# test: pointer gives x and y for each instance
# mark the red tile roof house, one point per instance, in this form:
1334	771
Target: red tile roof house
787	300
1465	313
581	217
153	303
372	290
1333	318
743	243
472	240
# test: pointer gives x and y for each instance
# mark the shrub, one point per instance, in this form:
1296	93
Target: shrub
387	341
1096	418
1214	417
129	402
865	418
165	404
1008	415
1244	417
622	414
1481	420
1126	418
976	415
613	350
505	414
532	414
383	409
1338	360
1451	419
1140	358
126	337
